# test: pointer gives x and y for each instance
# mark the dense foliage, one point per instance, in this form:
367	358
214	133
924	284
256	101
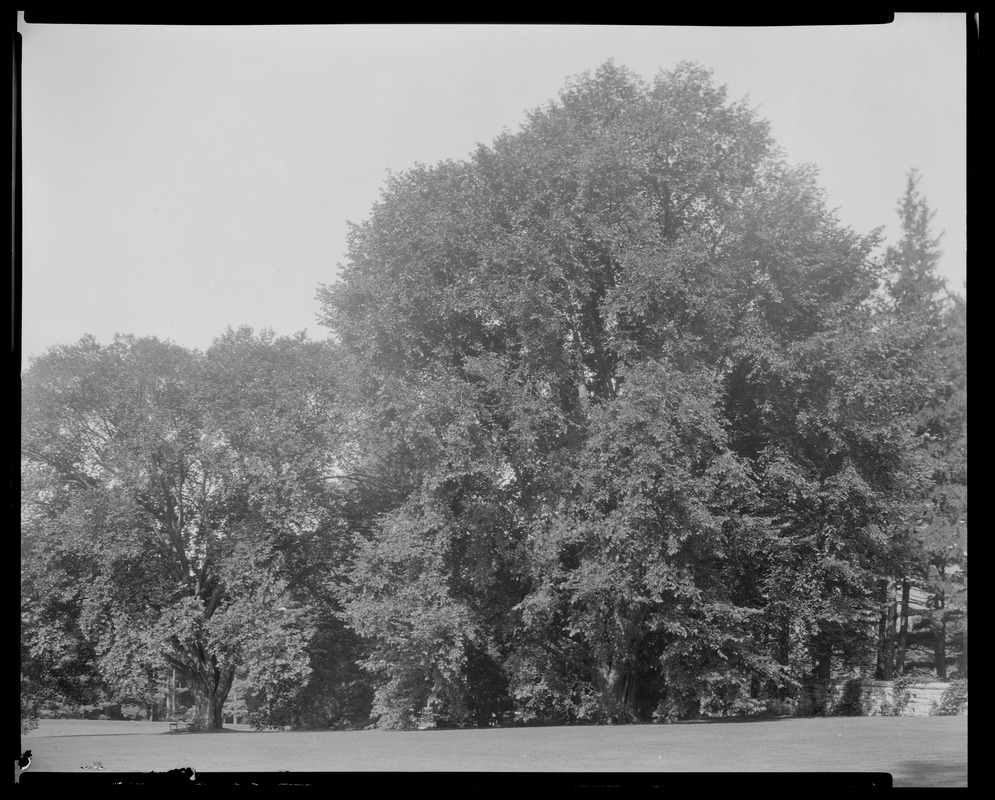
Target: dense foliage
616	422
173	504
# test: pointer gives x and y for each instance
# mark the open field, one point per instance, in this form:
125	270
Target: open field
916	751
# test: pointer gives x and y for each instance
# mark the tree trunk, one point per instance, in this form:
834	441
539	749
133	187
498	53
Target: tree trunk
210	685
940	652
885	670
882	636
940	632
940	641
963	652
618	693
210	712
903	632
889	638
823	660
210	704
784	641
614	669
171	697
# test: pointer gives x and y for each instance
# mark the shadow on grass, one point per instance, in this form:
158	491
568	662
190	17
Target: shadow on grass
735	720
199	733
91	734
930	774
639	724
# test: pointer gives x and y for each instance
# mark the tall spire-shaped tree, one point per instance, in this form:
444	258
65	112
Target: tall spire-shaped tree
913	282
932	322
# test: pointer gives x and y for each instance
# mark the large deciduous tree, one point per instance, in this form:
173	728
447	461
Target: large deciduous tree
172	489
617	371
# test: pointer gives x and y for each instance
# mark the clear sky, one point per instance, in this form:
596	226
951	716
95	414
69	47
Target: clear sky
178	180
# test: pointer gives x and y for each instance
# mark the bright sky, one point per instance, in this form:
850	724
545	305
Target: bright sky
177	180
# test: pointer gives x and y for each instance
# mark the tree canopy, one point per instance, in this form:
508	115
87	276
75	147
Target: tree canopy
174	494
616	422
653	430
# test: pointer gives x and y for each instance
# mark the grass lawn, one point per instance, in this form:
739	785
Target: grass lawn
916	751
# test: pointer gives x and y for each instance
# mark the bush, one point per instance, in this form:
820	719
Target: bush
133	711
60	709
953	701
782	706
680	702
727	694
900	695
263	720
29	713
851	701
545	697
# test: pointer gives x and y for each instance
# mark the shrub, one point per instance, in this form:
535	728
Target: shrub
851	702
727	694
29	714
60	709
782	706
129	711
263	720
953	701
901	694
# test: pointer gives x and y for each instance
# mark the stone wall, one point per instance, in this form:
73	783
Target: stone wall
874	698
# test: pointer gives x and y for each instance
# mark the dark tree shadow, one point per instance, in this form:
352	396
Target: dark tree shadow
735	720
930	774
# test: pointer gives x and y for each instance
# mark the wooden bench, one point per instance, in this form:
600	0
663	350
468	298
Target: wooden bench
178	725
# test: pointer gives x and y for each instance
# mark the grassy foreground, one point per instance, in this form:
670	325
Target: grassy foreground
916	751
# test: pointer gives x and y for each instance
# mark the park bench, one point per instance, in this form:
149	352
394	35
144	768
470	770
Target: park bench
181	725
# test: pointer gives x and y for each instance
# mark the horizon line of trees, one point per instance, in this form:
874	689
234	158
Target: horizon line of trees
615	422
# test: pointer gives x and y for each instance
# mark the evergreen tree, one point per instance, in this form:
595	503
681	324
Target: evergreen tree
932	324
